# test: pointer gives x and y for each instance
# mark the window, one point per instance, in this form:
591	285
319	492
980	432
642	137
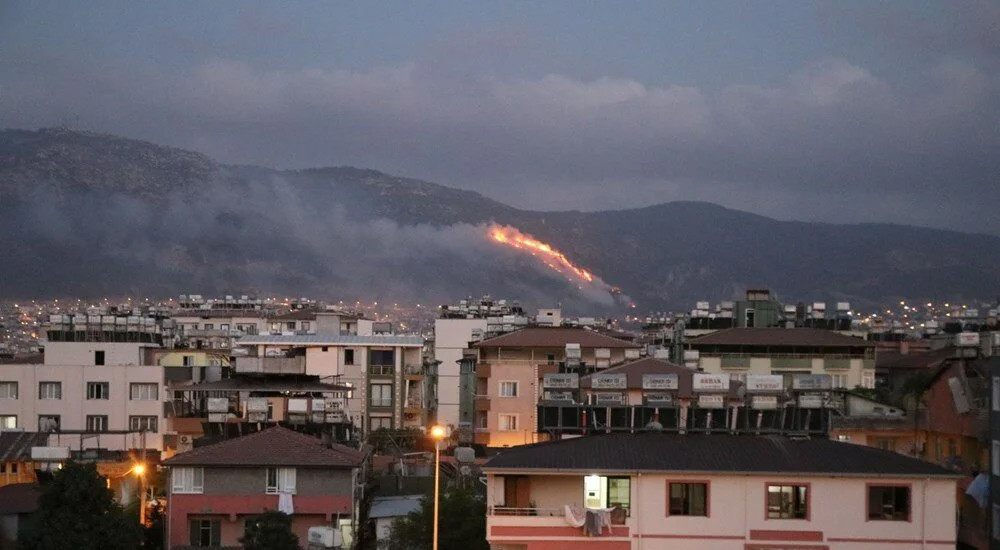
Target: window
98	390
280	480
508	389
143	391
50	390
97	423
8	390
507	422
884	443
8	421
48	422
206	532
838	380
348	356
209	326
290	326
995	458
787	502
187	361
481	420
379	422
550	359
188	480
142	423
687	498
381	395
325	349
224	327
996	522
952	448
305	326
99	357
619	493
996	393
868	379
889	503
381	357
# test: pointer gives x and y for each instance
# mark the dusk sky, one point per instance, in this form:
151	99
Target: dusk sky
818	111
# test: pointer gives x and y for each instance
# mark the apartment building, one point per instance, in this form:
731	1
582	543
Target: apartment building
91	395
215	490
387	382
510	367
849	361
715	492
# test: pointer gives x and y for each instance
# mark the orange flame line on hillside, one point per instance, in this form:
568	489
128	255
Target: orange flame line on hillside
553	258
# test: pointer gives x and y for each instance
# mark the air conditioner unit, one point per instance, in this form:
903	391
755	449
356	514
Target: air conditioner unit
325	537
184	443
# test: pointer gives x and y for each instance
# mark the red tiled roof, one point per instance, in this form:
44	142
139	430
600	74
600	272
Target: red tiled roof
19	498
275	446
546	337
806	337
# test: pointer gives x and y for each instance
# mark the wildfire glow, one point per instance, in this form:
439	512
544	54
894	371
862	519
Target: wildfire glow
553	258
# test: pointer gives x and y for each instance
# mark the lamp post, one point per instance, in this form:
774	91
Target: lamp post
140	472
437	433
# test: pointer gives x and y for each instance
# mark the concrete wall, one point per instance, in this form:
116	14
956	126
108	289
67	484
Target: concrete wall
74	406
451	336
82	353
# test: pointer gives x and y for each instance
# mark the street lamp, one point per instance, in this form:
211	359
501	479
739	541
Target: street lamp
437	433
140	471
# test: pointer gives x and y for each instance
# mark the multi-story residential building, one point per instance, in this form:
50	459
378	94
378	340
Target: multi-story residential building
715	492
388	384
454	330
91	395
216	489
849	361
216	328
510	366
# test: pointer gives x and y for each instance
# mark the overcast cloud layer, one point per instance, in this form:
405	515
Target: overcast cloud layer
908	132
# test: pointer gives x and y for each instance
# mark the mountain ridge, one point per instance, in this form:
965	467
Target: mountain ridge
155	219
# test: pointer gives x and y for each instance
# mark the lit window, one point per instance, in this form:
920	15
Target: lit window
8	421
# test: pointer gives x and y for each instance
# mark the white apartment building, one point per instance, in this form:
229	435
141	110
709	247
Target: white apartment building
91	395
451	337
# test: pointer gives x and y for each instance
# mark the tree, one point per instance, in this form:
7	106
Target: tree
462	523
77	511
270	531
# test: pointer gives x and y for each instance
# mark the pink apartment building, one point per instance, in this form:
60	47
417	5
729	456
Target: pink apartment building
716	492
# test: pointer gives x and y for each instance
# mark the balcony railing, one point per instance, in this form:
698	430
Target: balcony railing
414	370
511	511
381	370
271	365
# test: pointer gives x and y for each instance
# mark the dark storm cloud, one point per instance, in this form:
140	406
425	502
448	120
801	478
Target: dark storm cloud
833	141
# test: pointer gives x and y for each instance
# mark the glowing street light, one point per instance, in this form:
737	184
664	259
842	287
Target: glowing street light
140	471
437	433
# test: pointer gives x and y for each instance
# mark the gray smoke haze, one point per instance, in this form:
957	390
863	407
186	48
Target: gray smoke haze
263	236
908	136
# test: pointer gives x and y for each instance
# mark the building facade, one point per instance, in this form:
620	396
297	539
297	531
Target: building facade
215	490
715	492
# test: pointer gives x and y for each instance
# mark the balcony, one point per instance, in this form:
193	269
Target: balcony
414	403
271	365
483	370
414	372
482	402
735	362
836	364
791	363
546	368
381	370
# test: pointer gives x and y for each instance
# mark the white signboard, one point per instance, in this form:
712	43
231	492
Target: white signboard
335	417
568	381
716	401
812	382
659	399
218	404
659	382
559	396
765	383
608	399
608	382
710	382
811	401
764	402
